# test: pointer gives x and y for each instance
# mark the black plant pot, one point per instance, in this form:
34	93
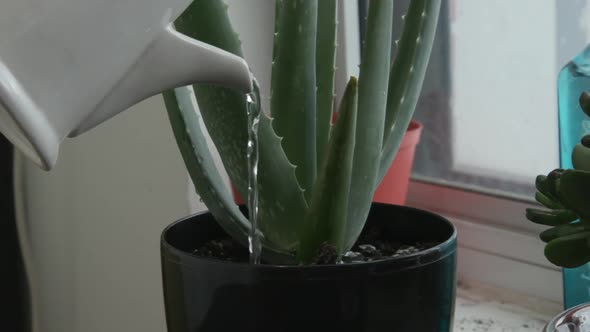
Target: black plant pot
414	293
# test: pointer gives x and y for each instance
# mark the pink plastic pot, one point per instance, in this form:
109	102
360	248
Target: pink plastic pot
237	198
393	189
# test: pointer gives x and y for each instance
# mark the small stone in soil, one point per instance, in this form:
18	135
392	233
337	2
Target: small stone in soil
406	250
353	257
370	252
368	249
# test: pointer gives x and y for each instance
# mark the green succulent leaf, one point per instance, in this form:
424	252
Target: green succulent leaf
565	191
543	186
372	98
569	251
547	201
282	206
585	102
564	230
326	220
550	217
581	158
553	180
325	69
407	74
572	191
293	86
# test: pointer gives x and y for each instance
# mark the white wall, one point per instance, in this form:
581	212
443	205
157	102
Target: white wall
96	218
95	222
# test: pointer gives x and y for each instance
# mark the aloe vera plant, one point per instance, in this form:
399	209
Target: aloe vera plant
566	194
315	180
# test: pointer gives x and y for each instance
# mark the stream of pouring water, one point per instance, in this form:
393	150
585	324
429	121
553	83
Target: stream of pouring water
254	242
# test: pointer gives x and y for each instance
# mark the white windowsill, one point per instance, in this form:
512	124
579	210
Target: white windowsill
483	308
496	244
505	282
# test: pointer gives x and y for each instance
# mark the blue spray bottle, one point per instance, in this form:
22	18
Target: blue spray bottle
573	79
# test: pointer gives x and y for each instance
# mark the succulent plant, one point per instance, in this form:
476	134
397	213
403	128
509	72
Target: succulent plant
566	194
315	180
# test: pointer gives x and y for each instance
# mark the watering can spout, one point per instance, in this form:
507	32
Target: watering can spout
68	65
172	61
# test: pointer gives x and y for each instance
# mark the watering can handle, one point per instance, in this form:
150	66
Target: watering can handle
173	60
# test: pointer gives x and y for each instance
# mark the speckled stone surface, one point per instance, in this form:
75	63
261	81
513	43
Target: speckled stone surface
481	308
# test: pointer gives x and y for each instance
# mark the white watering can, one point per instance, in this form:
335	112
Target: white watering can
68	65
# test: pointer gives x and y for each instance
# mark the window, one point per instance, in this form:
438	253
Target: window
489	108
489	100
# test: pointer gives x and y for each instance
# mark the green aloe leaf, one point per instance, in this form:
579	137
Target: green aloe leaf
223	110
325	69
326	220
186	125
282	205
581	158
293	86
572	191
569	251
191	141
407	74
281	201
278	9
372	98
550	217
564	230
